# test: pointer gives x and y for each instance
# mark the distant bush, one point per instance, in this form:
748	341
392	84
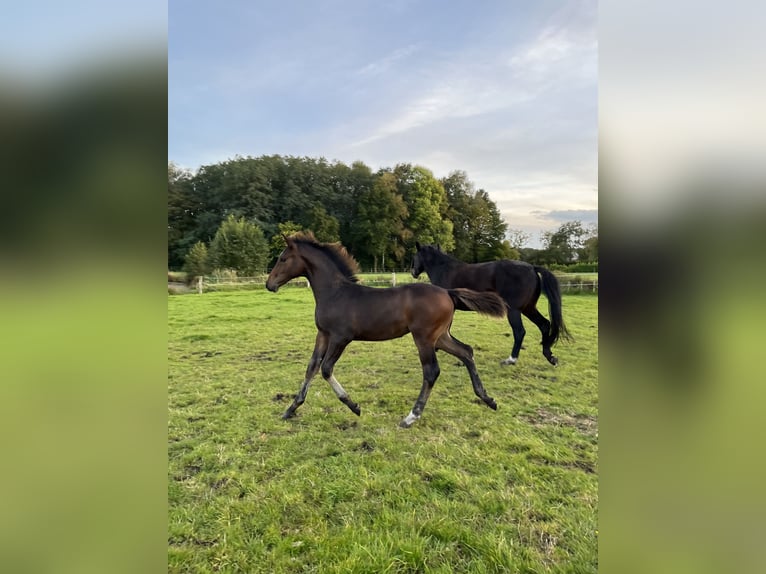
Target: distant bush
197	261
239	244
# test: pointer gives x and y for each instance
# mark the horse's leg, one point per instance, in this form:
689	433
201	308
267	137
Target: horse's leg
517	326
430	374
334	352
316	359
465	353
545	328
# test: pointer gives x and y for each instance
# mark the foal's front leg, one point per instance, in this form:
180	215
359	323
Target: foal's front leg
320	347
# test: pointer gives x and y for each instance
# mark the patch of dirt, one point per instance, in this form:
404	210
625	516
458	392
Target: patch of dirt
262	356
345	425
584	423
207	353
282	397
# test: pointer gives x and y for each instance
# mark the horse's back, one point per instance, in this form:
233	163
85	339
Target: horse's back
376	314
515	281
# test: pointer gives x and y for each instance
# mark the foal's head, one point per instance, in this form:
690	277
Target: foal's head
289	265
305	255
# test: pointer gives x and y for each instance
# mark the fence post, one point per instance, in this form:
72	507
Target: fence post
199	284
393	278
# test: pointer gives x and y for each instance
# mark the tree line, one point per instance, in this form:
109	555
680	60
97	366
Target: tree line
232	214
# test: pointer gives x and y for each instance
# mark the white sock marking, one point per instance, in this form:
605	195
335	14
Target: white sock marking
337	388
410	418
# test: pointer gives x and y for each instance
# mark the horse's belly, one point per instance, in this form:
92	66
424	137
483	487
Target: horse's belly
381	332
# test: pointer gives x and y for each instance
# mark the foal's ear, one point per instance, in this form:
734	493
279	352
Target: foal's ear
288	240
438	247
417	245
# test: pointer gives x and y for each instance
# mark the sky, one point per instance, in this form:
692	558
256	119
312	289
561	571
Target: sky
503	90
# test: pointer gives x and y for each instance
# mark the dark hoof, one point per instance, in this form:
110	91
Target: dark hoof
288	414
553	360
404	424
491	404
352	406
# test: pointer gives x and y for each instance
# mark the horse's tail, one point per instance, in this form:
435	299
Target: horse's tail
488	303
552	290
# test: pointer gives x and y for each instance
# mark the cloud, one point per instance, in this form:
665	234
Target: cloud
383	64
586	216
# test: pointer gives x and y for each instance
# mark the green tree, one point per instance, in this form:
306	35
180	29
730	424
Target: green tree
380	230
562	245
487	230
182	212
325	227
518	238
589	250
427	206
507	251
478	228
240	245
197	261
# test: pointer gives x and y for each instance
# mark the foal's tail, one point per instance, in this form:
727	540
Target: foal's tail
551	289
488	303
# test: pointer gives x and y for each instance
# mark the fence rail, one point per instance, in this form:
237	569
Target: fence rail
571	284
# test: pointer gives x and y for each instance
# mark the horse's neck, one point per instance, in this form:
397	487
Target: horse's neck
442	271
323	276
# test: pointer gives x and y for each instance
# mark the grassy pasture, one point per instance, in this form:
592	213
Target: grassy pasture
466	489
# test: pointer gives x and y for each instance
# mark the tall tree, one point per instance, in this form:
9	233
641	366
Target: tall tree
182	213
518	238
325	227
427	205
460	192
379	229
561	245
478	228
487	230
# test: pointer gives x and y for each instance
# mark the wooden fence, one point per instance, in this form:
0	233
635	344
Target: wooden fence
569	284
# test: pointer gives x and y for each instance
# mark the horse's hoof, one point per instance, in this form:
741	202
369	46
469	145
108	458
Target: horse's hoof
288	415
491	404
353	407
404	424
508	361
553	361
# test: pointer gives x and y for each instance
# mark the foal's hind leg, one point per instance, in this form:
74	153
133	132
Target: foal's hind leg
334	352
465	353
517	326
545	328
316	359
430	374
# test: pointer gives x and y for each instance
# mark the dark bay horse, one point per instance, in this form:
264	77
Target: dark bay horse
346	311
517	282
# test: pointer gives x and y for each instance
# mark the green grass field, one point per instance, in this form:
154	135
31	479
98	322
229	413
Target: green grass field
466	489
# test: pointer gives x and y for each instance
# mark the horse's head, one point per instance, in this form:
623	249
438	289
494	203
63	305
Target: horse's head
423	256
289	265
